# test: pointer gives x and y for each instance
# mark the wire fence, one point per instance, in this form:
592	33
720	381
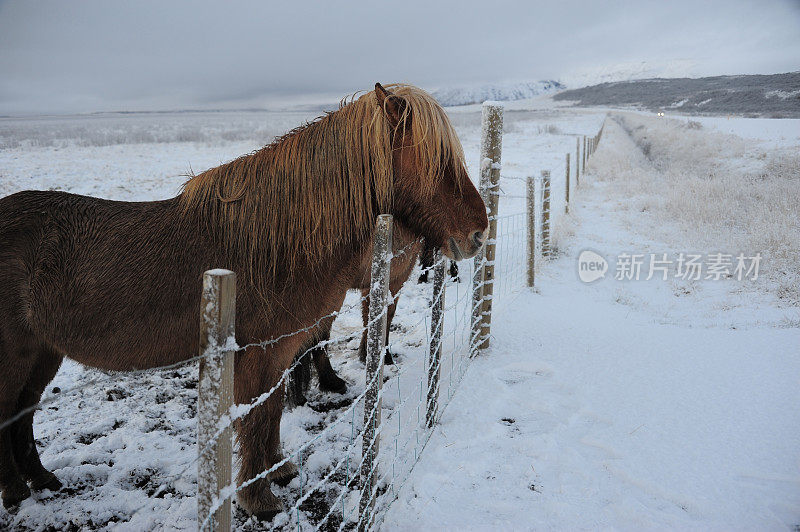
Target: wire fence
354	459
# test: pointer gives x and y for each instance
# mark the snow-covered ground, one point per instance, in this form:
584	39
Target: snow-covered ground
616	404
620	404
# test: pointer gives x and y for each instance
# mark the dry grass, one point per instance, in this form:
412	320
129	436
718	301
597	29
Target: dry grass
721	192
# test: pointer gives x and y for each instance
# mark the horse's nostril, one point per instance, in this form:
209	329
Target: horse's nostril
478	238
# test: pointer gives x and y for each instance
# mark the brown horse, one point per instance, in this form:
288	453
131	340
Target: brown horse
406	248
116	285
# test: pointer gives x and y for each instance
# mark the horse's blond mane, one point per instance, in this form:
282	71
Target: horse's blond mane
321	185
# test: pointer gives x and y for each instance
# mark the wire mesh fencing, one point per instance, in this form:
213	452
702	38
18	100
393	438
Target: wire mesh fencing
371	447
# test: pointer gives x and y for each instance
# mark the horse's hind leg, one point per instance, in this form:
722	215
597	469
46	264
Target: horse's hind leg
17	359
25	452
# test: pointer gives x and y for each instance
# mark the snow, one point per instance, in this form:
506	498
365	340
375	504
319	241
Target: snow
637	404
632	70
623	405
771	133
218	271
451	96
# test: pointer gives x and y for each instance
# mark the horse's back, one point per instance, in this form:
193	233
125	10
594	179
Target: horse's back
97	279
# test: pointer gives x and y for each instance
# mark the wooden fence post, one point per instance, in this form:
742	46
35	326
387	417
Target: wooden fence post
531	190
376	343
545	213
584	155
215	395
577	162
491	148
435	348
566	194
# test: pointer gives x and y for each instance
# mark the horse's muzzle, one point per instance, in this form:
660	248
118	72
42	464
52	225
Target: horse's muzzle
467	249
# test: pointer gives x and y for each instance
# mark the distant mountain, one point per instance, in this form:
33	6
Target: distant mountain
773	95
497	91
629	71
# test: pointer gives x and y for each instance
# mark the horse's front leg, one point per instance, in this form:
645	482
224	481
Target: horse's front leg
258	371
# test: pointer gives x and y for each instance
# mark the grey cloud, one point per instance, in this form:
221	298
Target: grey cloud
99	55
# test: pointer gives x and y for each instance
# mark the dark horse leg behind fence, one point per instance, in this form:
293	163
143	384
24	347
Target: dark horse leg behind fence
116	285
426	263
405	249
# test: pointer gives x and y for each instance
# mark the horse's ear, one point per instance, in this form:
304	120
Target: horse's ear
393	105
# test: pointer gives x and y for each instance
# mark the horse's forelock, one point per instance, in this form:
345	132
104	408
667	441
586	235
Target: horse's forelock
433	139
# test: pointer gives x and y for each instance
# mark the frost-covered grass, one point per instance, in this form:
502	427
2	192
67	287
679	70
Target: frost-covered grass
724	193
109	129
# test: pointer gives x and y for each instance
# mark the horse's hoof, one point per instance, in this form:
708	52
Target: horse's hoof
46	481
284	474
258	500
15	494
333	384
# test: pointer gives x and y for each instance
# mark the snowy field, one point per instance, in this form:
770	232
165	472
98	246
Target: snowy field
617	404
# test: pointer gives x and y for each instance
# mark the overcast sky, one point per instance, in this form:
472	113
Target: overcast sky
83	56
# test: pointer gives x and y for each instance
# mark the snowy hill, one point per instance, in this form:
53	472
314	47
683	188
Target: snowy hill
773	96
465	95
630	71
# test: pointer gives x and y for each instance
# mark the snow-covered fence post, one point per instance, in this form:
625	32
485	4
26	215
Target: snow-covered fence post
215	395
566	189
545	213
491	148
376	344
435	351
577	162
531	193
584	155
